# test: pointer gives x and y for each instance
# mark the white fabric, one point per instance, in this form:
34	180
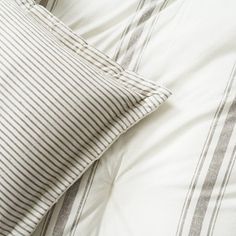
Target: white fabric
141	183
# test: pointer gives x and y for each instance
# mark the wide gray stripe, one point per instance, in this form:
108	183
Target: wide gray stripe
148	37
204	153
66	209
53	6
215	165
49	4
88	186
47	220
127	30
221	194
43	2
137	34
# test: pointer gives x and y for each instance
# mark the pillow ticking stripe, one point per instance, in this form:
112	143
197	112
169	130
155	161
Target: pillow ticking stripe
63	103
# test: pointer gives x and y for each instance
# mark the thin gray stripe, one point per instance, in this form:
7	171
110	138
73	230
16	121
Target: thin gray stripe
8	140
13	209
39	144
21	193
87	50
78	135
25	207
9	216
26	177
11	224
55	99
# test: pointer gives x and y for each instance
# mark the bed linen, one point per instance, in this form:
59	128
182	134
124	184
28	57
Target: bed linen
63	105
174	173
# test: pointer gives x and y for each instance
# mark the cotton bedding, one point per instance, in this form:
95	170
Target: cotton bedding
174	173
63	104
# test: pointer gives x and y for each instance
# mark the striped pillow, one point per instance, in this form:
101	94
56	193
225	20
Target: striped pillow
63	104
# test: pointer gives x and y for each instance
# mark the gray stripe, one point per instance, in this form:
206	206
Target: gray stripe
127	30
204	153
144	45
43	3
136	35
216	162
84	198
66	209
222	191
53	6
46	222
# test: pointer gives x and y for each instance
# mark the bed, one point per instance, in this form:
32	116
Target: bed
173	173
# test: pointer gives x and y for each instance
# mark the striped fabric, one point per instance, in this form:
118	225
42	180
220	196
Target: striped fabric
63	104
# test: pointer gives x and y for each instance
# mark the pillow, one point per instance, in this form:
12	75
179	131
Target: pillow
63	104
